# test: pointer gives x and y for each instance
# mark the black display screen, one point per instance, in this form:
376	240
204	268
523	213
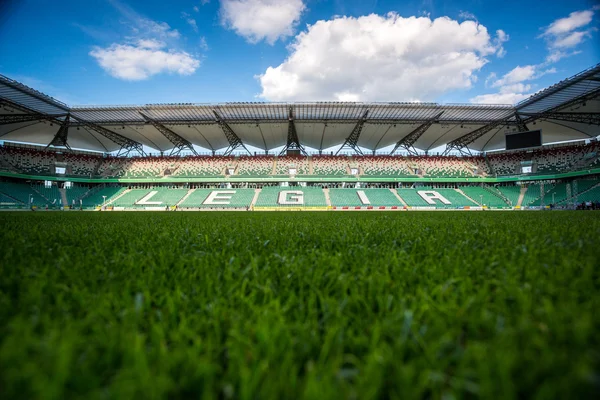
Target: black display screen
523	140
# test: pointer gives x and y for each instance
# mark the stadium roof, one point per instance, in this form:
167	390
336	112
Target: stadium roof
569	110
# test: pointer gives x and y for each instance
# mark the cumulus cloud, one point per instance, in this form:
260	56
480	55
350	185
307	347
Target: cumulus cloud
143	59
499	98
149	48
575	20
378	57
565	34
517	74
511	88
190	21
258	20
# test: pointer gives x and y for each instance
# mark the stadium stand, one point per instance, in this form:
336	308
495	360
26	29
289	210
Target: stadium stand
22	192
269	196
507	163
50	194
287	163
230	198
375	197
485	196
94	198
255	166
155	197
457	200
203	166
532	194
445	167
384	166
330	165
512	193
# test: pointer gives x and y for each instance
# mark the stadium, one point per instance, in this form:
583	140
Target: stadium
299	199
113	172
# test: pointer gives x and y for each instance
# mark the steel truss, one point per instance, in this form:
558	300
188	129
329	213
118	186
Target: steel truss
584	118
15	119
461	144
177	141
127	145
351	141
556	111
233	139
408	141
61	136
293	143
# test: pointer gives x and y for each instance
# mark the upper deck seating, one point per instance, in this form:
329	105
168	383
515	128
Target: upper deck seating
394	166
330	165
287	163
203	166
255	166
444	167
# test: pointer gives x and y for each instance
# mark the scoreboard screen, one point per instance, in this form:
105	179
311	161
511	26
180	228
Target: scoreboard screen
523	140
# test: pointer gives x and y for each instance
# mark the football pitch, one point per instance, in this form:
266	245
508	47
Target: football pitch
299	305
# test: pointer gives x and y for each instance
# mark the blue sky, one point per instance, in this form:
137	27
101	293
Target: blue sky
205	51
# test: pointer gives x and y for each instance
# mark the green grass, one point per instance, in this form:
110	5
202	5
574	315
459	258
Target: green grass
299	305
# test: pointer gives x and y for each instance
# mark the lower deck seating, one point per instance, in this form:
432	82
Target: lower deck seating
558	191
309	197
225	198
22	192
413	199
155	197
512	193
484	196
74	194
592	195
531	195
51	194
96	199
372	197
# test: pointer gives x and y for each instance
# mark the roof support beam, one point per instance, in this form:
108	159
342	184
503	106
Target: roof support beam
584	118
461	144
61	137
351	141
18	118
578	101
127	145
233	139
408	141
177	141
293	143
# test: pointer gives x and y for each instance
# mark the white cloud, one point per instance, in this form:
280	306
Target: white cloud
196	9
190	21
499	98
149	48
144	27
517	74
258	20
142	60
564	35
574	21
521	74
379	58
515	88
467	15
571	40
